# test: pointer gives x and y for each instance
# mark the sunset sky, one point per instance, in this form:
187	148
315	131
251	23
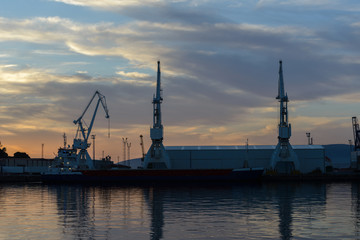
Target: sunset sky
219	62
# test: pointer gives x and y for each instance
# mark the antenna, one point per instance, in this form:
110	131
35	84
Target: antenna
64	136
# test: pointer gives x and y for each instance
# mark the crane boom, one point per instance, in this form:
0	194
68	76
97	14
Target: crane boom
101	100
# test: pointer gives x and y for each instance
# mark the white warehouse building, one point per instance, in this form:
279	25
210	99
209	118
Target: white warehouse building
311	157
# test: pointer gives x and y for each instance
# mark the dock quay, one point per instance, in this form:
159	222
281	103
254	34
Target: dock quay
324	177
342	176
19	178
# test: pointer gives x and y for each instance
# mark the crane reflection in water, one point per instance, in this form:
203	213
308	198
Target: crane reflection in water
189	211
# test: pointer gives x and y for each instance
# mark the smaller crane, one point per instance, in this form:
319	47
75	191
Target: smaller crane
82	133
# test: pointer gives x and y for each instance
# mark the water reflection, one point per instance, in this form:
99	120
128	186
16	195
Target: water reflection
355	206
266	211
225	206
300	200
76	210
155	199
285	194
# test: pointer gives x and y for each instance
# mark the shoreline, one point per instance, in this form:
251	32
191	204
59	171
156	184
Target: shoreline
326	177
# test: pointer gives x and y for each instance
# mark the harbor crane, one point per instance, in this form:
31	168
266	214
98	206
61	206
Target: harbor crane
284	158
157	158
83	132
355	154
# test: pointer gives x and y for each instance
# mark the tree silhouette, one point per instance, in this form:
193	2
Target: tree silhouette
21	155
3	153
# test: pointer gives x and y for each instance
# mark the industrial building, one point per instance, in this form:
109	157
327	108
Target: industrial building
24	165
311	157
282	158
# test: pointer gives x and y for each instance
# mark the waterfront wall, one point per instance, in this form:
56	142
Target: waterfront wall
24	165
311	157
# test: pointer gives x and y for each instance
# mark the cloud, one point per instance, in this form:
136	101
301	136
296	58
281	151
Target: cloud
322	4
51	52
133	74
38	30
219	67
144	42
220	129
9	66
109	4
75	63
17	79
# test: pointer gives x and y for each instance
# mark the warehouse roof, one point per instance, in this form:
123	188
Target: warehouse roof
242	147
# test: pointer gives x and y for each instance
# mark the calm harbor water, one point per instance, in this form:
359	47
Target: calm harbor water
256	211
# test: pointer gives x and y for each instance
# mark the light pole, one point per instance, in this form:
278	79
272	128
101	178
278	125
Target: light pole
308	136
93	138
125	142
128	148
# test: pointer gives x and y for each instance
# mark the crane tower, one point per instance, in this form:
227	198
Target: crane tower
355	153
156	157
356	132
284	158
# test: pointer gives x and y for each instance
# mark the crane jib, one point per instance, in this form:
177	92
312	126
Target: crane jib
86	132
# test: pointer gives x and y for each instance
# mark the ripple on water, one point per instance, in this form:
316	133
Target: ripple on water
262	211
